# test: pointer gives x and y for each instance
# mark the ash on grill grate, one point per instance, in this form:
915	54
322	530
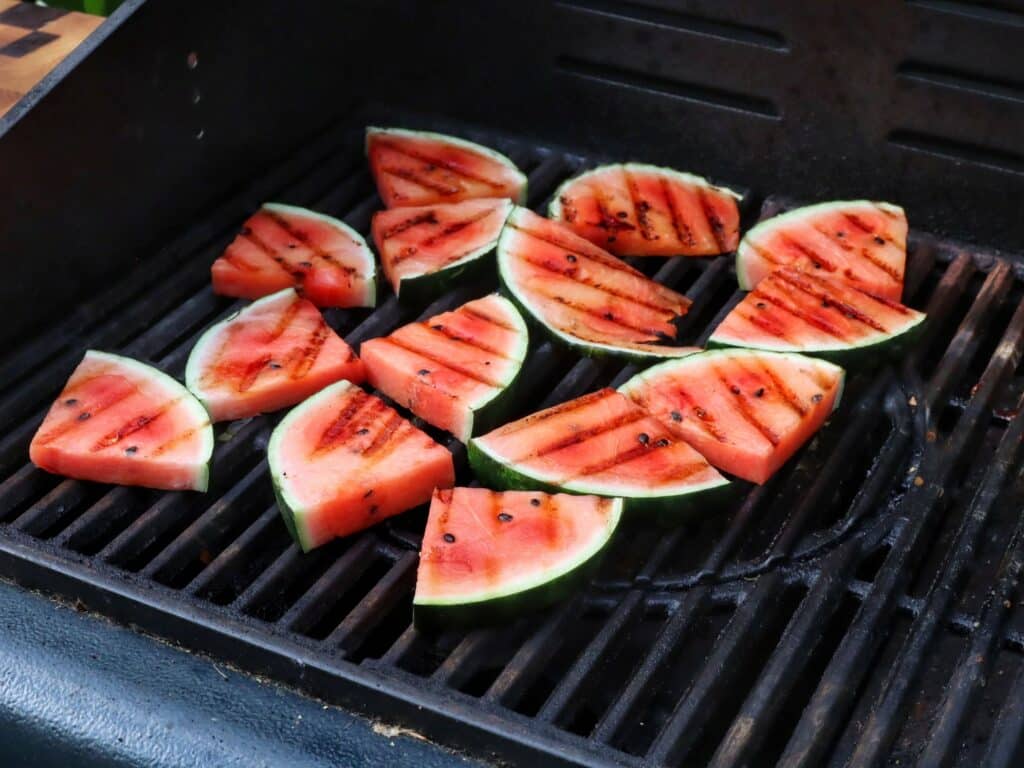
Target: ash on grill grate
859	606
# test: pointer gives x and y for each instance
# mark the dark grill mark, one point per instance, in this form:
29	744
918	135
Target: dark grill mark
678	224
858	223
640	208
714	223
744	409
764	254
888	269
788	396
179	439
589	433
808	287
557	410
430	184
607	221
414	155
430	217
469	341
97	408
798	313
839	238
450	365
337	430
387	434
311	351
819	261
318	252
271	254
704	419
456	227
474	312
766	325
133	425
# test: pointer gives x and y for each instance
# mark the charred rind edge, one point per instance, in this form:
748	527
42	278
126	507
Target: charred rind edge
289	509
420	290
372	130
669	510
861	356
369	259
796	214
202	479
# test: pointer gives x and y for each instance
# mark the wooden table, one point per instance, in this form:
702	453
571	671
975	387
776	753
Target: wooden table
33	40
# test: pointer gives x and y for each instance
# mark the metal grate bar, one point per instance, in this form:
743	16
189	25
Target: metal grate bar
226	565
465	659
377	604
287	566
1004	745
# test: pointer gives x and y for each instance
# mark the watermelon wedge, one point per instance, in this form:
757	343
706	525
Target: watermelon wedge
794	311
425	249
747	411
455	370
125	422
581	295
488	556
601	444
861	242
633	209
421	168
281	246
343	461
274	353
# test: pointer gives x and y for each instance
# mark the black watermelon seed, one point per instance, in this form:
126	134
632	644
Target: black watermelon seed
131	449
759	392
734	389
676	416
826	303
306	264
622	214
760	305
570	258
422	371
450	538
274	365
363	431
662	442
505	517
535	502
609	316
817	397
368	494
879	240
247	231
817	265
71	401
293	245
373	509
644	438
84	415
840	234
438	327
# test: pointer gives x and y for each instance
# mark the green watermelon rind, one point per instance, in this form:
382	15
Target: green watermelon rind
673	508
492	411
372	130
731	353
541	590
555	206
291	509
873	351
369	261
202	480
795	215
425	287
574	343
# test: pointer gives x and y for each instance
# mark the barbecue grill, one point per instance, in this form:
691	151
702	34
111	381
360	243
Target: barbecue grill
862	608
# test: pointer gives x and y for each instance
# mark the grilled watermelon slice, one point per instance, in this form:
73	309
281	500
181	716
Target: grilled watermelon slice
861	242
601	444
633	209
584	297
343	461
125	422
794	311
488	556
748	411
422	168
281	246
455	370
425	249
274	353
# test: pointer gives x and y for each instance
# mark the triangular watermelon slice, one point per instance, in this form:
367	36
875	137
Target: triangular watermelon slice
424	250
455	370
861	242
282	246
343	461
747	411
125	422
422	168
601	444
488	556
632	209
274	353
583	296
794	311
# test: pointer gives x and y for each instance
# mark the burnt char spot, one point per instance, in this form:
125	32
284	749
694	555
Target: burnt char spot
676	416
71	401
84	416
534	502
644	438
505	517
450	538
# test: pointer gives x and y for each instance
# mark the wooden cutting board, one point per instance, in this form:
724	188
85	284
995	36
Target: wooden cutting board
33	40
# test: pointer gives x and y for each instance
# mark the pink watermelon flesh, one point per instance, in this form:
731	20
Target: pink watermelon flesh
643	210
423	240
747	411
798	311
448	367
282	246
860	242
579	290
419	168
274	353
481	545
343	461
600	443
121	421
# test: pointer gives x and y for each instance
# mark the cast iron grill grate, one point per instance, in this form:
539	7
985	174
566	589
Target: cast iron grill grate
860	606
